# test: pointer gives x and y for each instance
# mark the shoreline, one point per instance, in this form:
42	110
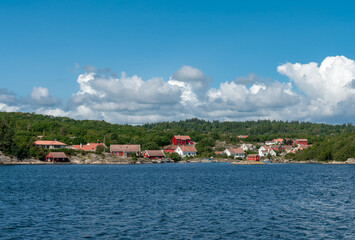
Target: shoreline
38	162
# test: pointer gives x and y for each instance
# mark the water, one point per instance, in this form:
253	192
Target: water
177	201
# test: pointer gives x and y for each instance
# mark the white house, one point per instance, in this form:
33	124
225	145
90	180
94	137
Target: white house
186	151
237	152
269	143
247	146
265	150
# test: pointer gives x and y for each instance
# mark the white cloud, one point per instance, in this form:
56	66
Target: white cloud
6	108
324	93
327	87
193	76
6	96
40	96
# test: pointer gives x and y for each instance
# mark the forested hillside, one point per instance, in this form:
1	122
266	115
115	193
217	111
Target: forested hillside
20	130
338	148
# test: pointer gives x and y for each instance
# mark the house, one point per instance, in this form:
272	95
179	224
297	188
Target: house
269	143
302	141
170	148
276	147
265	150
50	144
218	152
57	157
186	151
125	150
246	146
236	153
287	148
154	154
279	140
302	147
90	147
242	136
253	157
181	140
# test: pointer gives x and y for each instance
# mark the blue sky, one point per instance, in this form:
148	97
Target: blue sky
48	44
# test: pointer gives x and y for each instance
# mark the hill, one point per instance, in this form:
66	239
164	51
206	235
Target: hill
20	130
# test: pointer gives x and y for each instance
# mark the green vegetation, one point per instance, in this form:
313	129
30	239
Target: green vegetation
338	148
18	131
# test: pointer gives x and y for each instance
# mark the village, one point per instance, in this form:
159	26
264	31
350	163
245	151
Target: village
182	148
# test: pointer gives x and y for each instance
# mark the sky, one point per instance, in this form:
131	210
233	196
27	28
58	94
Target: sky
149	61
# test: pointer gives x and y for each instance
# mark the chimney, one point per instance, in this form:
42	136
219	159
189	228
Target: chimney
81	145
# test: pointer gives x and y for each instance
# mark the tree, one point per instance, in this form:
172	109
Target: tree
99	149
7	134
175	157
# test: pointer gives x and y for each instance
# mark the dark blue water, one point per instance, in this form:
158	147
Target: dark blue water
177	201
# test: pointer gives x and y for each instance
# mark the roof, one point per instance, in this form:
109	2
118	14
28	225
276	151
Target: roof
170	147
181	137
88	147
49	143
57	155
247	144
236	151
253	155
242	136
278	140
155	153
188	148
125	148
269	141
301	140
267	147
218	152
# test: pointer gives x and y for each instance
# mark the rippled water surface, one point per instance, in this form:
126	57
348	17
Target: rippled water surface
177	201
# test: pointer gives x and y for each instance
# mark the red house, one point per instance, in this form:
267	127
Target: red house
170	148
181	140
154	154
253	157
125	150
57	157
302	141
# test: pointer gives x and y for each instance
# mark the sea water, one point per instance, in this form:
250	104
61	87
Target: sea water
177	201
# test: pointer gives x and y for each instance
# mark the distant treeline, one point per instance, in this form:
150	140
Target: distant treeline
20	130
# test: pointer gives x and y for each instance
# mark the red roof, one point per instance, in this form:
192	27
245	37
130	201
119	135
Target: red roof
125	148
155	153
41	142
242	136
57	155
182	137
218	152
301	140
170	147
188	148
236	151
88	147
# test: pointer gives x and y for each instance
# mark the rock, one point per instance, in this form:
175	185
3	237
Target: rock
350	161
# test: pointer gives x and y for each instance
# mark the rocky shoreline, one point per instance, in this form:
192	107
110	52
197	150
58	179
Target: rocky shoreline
107	158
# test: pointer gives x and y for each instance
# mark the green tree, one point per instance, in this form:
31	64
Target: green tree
7	134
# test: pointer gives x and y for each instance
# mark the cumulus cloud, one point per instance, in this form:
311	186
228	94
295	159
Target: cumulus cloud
6	108
192	76
321	93
6	96
40	96
328	87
